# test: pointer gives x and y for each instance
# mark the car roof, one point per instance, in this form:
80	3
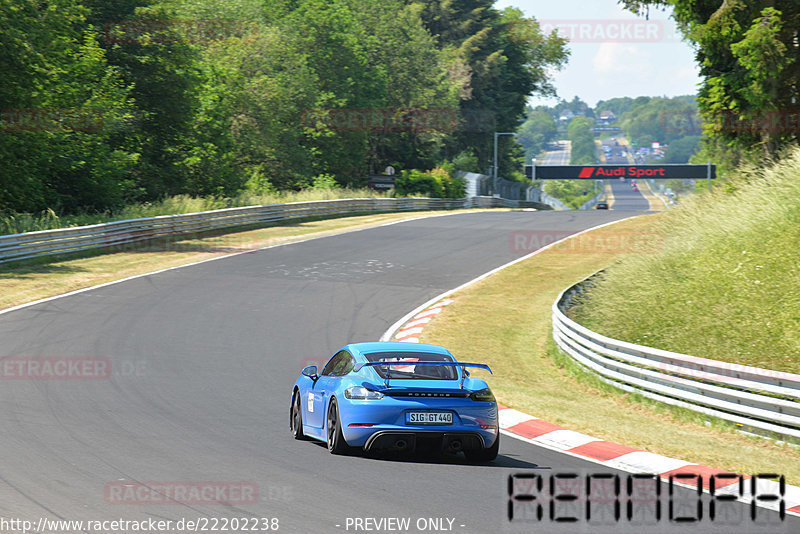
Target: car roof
360	349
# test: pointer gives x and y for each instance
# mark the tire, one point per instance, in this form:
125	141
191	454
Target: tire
484	455
336	442
296	417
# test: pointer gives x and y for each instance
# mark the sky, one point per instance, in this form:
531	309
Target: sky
614	53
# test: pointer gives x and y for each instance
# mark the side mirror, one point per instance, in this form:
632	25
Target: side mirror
310	371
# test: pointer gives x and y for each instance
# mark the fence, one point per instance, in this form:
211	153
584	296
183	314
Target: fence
759	399
479	185
48	242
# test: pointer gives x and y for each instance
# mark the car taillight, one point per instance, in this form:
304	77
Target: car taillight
362	393
483	395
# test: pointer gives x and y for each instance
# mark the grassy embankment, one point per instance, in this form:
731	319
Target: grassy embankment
724	285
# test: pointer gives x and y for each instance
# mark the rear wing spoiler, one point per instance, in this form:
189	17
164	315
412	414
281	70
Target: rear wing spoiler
395	363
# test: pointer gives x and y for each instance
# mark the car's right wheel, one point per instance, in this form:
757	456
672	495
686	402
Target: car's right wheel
484	455
296	417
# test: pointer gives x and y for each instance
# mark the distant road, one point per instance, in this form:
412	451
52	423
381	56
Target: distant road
558	154
625	198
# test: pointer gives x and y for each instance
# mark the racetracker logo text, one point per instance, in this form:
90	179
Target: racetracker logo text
592	30
55	368
174	31
51	120
196	493
598	241
394	120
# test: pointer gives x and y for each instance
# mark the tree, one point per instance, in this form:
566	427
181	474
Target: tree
617	106
506	59
64	112
583	149
750	62
538	130
681	150
660	119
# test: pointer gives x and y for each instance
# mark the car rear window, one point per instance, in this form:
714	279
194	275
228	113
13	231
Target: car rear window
405	368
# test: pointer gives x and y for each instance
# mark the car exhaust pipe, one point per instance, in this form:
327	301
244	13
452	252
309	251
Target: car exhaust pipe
455	445
401	444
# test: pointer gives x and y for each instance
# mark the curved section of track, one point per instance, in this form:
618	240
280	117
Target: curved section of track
202	360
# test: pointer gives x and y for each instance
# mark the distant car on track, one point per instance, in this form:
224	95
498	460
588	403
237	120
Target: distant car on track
601	206
396	397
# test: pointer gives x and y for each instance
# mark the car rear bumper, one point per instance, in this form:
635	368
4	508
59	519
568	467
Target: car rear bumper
432	440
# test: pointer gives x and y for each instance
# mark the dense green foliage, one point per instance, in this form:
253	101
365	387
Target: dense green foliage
108	103
573	193
437	183
660	119
749	59
681	150
618	106
583	150
536	132
576	106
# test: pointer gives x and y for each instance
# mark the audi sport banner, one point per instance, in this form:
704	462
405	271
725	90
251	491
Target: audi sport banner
608	172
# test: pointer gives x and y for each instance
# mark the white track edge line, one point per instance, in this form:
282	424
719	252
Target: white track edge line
396	326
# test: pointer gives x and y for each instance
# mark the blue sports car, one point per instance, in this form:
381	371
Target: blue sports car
396	397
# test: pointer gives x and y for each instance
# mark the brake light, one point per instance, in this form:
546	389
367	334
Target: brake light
483	395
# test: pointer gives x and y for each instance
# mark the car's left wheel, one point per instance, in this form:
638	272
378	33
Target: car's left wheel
296	417
336	442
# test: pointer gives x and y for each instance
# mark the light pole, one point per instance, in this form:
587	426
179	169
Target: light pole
494	159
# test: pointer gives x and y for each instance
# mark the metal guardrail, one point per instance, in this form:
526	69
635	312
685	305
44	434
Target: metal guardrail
589	204
553	202
759	399
496	202
114	234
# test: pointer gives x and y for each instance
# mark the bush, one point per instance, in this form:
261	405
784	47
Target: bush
436	183
467	161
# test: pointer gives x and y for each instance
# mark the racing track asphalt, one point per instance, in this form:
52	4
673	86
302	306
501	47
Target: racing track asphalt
203	358
626	199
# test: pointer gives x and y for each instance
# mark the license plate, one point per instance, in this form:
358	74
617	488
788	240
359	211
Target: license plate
429	418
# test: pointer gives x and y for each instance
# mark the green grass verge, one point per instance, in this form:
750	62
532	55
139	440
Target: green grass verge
505	321
726	284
